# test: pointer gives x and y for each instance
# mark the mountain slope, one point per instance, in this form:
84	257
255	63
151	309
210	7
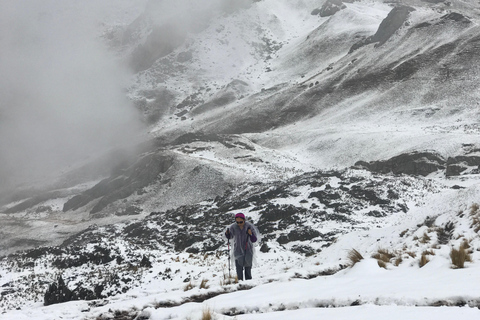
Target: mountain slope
271	90
333	125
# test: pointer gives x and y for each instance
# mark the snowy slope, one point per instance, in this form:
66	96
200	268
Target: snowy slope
285	284
264	108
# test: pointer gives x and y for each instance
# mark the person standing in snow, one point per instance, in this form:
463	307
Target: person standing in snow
243	234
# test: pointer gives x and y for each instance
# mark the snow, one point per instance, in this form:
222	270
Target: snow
279	290
402	293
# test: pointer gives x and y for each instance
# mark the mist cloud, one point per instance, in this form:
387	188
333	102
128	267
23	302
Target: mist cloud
171	22
62	94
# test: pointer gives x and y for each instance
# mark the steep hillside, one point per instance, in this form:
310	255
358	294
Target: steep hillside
346	131
309	226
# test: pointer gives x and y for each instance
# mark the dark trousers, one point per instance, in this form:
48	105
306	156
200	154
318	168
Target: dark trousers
248	271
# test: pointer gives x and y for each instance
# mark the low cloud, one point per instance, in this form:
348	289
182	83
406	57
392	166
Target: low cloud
62	96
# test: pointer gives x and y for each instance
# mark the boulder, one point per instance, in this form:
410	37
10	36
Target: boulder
394	20
415	163
460	164
58	292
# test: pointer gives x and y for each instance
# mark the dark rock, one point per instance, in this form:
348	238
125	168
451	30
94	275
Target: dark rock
392	195
375	213
140	232
81	293
264	248
416	163
303	234
181	113
283	239
275	213
58	292
367	195
457	165
42	251
324	196
99	256
304	249
457	17
446	233
394	20
145	263
185	240
6	291
192	250
330	7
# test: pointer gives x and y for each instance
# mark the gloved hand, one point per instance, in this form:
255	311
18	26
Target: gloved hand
249	231
227	233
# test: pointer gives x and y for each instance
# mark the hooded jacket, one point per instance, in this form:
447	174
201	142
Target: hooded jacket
243	249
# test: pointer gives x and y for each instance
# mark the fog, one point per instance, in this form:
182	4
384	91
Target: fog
62	94
172	21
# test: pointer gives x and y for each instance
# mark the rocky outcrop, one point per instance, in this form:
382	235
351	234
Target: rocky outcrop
415	163
424	163
330	7
58	292
395	19
462	164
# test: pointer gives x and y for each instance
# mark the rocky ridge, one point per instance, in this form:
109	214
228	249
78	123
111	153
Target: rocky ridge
303	215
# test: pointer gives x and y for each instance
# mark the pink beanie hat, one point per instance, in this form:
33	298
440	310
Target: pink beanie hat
240	215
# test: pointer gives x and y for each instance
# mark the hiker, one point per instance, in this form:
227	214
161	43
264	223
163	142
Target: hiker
243	234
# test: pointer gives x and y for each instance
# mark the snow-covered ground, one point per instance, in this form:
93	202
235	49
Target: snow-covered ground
362	292
286	284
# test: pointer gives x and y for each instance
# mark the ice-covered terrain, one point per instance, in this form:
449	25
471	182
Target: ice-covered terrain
333	125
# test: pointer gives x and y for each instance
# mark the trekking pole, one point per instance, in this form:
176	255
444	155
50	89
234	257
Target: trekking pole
229	276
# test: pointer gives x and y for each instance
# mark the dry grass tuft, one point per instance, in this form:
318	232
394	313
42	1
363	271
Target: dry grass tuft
424	257
425	238
207	314
460	256
428	252
383	257
189	286
398	260
203	284
411	254
354	256
423	260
